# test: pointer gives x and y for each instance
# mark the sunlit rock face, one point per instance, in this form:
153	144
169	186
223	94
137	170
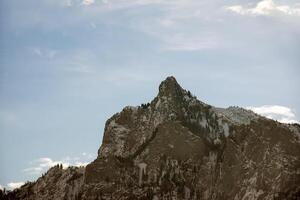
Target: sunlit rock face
177	147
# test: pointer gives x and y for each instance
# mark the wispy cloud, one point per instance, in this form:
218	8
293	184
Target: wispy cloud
7	117
43	164
44	53
77	67
180	42
67	3
280	113
265	7
171	23
88	2
14	185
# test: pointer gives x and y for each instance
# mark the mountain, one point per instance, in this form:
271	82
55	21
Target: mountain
177	147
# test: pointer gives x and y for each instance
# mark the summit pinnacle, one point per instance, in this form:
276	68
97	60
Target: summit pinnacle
169	87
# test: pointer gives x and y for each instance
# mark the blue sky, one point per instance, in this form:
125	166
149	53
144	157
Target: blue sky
68	65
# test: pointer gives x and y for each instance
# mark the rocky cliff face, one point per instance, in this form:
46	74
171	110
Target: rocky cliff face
177	147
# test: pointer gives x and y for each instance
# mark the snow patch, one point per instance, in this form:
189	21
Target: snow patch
142	171
203	122
226	129
157	103
212	159
187	193
144	119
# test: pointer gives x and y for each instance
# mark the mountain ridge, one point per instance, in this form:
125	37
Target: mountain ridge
179	147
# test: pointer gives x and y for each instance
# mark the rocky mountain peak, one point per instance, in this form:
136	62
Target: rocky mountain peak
170	87
177	147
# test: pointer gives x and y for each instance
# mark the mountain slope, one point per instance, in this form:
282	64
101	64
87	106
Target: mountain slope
177	147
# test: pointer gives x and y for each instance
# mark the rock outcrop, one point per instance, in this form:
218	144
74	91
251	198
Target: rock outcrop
177	147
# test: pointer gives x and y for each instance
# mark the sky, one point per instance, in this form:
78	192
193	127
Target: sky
66	66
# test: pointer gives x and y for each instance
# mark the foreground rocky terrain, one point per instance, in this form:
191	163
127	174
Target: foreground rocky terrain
177	147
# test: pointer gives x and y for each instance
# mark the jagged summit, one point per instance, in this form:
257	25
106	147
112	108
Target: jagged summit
173	92
177	147
170	87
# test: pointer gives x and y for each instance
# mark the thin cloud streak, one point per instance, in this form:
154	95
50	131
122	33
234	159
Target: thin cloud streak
88	2
186	43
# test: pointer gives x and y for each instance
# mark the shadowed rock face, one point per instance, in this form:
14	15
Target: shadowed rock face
177	147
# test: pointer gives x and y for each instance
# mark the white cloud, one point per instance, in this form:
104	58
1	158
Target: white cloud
67	3
88	2
7	117
37	51
44	53
166	22
171	24
182	42
164	18
265	7
1	187
14	185
88	155
43	164
280	113
80	68
79	164
92	25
